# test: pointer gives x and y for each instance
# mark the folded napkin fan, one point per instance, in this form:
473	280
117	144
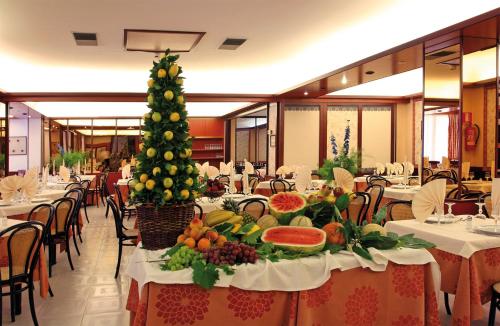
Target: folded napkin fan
343	179
430	197
389	168
64	173
212	171
398	168
380	168
249	167
9	186
303	178
126	171
495	196
29	186
465	169
283	170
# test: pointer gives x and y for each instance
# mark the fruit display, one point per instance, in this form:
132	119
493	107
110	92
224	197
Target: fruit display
198	236
372	227
295	238
231	253
214	188
286	205
164	171
220	216
301	221
334	233
267	221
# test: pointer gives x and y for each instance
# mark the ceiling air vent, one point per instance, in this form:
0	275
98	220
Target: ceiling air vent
232	43
439	54
85	38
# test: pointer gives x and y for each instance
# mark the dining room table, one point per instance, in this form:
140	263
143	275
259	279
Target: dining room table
360	183
468	256
210	204
399	287
400	192
264	187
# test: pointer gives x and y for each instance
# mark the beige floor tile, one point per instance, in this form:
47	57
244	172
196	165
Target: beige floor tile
105	305
108	319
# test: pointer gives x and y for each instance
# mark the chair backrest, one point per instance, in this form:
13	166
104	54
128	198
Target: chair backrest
399	210
118	195
75	178
253	182
77	195
376	193
116	216
426	173
104	184
454	194
23	246
224	179
463	206
86	186
449	180
198	211
64	210
378	180
72	185
253	206
358	207
43	213
486	199
279	185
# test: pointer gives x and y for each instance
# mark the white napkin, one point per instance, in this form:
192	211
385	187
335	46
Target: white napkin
245	183
64	173
303	178
495	196
126	171
29	186
390	168
45	175
343	179
430	197
410	167
249	167
212	171
9	186
283	170
223	168
232	186
202	169
380	168
398	168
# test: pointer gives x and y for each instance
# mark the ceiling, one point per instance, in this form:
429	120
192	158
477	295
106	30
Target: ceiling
289	41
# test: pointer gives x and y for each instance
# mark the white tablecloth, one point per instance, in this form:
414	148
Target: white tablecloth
122	182
16	209
209	206
392	179
401	194
51	194
452	238
285	275
267	184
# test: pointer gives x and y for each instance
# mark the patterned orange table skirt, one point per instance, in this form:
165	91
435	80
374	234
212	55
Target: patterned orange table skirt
402	295
470	280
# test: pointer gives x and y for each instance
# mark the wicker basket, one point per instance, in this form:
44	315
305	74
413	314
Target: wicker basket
159	227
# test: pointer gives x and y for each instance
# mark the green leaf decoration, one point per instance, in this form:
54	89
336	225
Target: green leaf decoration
205	275
360	251
380	216
333	248
409	241
228	270
170	252
342	202
224	227
253	238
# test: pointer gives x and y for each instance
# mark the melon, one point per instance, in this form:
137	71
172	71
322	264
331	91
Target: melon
372	227
295	238
286	205
301	221
267	221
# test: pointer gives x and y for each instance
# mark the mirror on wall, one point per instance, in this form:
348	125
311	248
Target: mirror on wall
251	141
441	118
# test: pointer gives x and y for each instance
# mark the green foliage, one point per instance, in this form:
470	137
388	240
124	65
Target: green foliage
347	161
167	113
70	158
380	216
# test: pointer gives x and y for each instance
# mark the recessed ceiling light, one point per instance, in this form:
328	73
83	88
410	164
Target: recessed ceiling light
370	72
343	80
306	93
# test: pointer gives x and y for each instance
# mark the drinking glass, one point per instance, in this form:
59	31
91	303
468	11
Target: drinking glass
471	175
439	214
495	214
480	211
450	213
487	176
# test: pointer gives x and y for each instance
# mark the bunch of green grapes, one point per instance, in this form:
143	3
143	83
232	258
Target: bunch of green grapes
183	258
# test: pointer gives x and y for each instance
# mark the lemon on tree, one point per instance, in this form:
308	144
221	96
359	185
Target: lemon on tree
165	172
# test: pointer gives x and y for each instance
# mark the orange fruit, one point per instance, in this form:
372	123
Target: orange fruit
220	241
187	231
190	242
212	235
195	233
196	223
204	243
181	238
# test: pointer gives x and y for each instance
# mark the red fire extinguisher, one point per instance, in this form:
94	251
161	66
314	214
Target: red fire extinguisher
471	132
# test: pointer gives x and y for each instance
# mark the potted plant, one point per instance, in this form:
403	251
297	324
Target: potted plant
165	180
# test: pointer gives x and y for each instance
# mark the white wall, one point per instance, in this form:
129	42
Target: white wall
34	143
301	136
18	127
376	136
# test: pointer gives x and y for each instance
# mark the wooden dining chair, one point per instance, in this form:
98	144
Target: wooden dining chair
358	208
77	195
255	207
86	187
126	211
315	176
126	237
426	173
486	199
72	185
253	182
279	185
95	191
23	249
494	303
61	232
398	210
378	180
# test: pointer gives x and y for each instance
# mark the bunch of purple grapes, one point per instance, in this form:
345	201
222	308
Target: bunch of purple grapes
231	253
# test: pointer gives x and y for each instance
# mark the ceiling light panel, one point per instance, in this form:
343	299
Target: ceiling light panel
158	41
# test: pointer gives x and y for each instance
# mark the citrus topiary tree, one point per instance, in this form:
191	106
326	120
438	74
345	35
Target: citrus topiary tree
165	173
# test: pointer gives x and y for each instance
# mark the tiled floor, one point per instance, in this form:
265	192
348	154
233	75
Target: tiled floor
90	295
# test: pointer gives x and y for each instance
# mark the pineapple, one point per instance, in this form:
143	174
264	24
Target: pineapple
230	205
247	218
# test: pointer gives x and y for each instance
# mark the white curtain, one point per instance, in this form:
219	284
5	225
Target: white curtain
436	136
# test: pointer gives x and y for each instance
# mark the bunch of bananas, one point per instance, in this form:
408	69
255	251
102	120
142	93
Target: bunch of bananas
220	216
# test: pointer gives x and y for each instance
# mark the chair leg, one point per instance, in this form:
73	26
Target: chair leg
447	303
493	309
32	302
107	209
69	254
79	231
52	256
86	215
74	240
120	245
12	303
50	292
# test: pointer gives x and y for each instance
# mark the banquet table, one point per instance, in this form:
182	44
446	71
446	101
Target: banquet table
469	262
360	183
399	288
264	187
400	193
61	184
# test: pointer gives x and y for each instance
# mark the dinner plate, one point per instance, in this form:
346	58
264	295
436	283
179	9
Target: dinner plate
489	229
39	200
444	220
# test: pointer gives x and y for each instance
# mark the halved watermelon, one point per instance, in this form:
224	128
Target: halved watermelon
286	205
295	238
